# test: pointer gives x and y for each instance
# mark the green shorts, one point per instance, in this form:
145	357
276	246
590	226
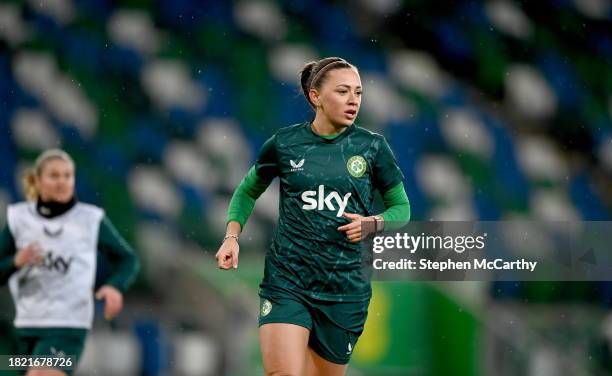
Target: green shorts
334	326
52	342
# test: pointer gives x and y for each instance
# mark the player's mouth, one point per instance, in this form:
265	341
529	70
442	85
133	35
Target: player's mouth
350	114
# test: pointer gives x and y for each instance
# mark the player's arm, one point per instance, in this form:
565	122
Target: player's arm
239	210
387	179
7	255
244	197
11	259
243	200
397	207
126	266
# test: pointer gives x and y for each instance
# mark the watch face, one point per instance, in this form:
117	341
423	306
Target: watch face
379	222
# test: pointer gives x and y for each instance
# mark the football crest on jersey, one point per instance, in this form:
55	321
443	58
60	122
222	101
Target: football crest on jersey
266	307
356	166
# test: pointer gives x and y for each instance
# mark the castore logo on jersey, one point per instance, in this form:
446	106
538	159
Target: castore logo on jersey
296	166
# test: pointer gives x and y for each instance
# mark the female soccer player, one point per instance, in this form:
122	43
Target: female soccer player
314	299
48	255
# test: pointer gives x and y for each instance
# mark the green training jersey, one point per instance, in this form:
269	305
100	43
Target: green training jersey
320	180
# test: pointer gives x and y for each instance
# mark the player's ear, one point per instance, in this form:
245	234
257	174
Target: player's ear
313	94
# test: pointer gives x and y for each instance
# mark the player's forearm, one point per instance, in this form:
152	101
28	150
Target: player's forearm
240	208
125	273
127	266
7	255
7	268
397	207
233	229
244	197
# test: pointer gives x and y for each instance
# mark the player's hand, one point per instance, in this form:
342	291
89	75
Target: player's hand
359	228
227	255
29	255
113	301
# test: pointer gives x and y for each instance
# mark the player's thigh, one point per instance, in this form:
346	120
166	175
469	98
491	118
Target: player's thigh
317	366
59	344
336	328
45	372
283	348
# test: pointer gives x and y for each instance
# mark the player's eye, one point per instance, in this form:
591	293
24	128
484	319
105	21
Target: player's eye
342	91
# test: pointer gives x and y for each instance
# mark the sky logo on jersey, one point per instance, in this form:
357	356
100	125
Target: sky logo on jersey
319	201
56	263
296	166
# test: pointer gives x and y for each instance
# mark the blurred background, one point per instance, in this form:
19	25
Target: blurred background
496	110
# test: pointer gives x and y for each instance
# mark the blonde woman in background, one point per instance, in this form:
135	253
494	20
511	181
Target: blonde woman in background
48	253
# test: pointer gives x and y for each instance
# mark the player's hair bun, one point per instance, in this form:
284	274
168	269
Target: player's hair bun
305	77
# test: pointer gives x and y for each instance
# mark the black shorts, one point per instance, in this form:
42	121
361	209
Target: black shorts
334	327
52	342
